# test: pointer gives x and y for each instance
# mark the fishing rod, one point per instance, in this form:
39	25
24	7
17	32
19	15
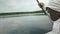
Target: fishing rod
43	10
41	7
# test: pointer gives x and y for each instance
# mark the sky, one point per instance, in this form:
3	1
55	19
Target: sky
20	5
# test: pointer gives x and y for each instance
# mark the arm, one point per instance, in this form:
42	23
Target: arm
55	29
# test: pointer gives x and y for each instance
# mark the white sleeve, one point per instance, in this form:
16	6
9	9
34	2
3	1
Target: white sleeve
56	27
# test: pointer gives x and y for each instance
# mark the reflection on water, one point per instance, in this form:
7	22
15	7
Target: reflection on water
25	25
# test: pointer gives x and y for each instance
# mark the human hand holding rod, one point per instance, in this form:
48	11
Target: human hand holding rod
41	5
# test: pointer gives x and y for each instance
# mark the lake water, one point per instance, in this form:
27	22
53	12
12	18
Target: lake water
25	25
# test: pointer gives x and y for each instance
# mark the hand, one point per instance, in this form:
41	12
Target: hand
41	4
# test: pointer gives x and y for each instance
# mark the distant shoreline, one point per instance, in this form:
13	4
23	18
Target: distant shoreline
14	13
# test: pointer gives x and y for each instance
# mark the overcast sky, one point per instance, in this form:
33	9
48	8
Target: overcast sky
20	5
